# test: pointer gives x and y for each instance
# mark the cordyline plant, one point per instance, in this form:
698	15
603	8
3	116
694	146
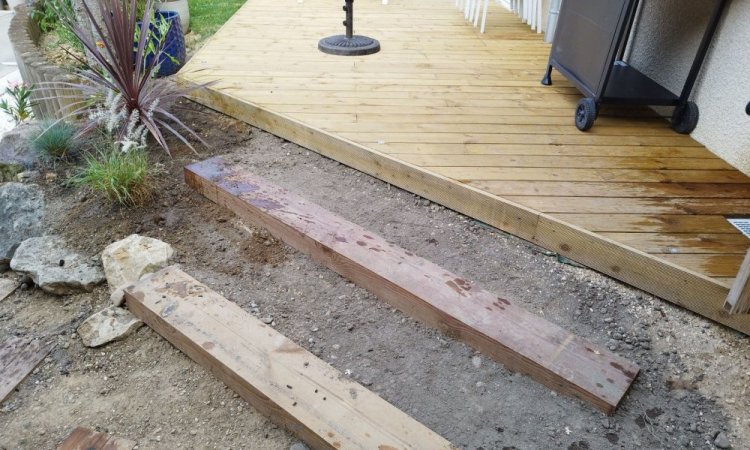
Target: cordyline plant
119	85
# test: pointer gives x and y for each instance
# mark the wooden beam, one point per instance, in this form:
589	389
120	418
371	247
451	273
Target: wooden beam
520	340
279	378
18	357
738	300
85	439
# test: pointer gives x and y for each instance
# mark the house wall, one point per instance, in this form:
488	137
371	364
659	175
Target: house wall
667	35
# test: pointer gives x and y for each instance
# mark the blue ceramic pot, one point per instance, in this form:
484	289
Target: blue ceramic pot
174	45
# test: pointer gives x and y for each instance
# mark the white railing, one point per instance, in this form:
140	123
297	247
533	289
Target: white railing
530	11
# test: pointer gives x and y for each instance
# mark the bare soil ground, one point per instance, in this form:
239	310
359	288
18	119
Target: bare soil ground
694	380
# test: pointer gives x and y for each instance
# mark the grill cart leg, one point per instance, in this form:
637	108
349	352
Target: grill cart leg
547	80
685	118
586	113
349	44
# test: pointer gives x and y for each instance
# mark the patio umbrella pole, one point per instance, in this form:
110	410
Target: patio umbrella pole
349	44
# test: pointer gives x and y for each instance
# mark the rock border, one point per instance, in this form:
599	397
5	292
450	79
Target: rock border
36	69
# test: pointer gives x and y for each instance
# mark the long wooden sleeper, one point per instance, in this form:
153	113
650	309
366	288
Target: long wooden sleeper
282	380
520	340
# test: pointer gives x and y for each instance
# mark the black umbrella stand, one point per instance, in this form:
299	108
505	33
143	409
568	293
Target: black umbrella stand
349	44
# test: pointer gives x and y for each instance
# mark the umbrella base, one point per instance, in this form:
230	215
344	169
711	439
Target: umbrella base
345	46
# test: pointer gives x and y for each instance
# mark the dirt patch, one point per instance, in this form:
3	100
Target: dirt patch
693	383
264	249
58	52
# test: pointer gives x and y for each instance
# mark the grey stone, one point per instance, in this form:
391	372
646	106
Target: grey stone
722	441
54	267
109	325
16	154
299	446
21	216
128	260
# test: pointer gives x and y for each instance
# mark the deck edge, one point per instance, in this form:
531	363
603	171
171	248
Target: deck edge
691	290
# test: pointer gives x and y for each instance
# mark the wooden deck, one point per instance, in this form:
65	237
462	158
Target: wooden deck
461	118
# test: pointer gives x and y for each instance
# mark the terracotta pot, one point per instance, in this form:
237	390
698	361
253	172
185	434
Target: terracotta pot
180	7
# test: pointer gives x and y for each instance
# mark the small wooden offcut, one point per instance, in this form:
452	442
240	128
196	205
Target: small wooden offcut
7	287
18	358
85	439
738	300
461	118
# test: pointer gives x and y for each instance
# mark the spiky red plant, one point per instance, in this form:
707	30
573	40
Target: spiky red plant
118	67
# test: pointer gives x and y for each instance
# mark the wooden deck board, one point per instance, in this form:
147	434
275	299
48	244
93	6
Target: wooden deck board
460	118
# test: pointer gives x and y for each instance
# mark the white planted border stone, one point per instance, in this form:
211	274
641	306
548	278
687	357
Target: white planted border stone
130	259
54	267
109	325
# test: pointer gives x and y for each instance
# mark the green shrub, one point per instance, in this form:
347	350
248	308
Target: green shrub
19	108
123	177
45	15
55	140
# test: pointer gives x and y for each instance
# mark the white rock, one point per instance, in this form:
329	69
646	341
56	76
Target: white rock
118	297
54	267
111	324
128	260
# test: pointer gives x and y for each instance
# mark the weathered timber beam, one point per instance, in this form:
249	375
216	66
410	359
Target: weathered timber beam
282	380
520	340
